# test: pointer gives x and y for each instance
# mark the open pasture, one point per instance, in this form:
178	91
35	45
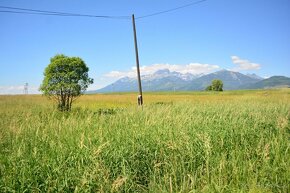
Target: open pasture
235	141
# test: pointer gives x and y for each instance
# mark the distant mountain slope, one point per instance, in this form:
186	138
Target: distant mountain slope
161	80
231	80
125	84
165	80
274	81
255	76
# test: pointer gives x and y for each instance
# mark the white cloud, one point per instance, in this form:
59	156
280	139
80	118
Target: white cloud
118	74
18	89
243	64
193	68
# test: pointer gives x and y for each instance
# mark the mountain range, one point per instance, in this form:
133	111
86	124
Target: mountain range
166	80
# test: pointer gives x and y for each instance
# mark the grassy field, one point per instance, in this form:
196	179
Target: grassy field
235	141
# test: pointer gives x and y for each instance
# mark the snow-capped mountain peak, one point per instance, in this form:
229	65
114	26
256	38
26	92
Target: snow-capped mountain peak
166	80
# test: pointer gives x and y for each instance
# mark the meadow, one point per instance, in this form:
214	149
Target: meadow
234	141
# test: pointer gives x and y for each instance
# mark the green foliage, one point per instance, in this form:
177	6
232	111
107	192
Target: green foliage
65	78
208	88
216	85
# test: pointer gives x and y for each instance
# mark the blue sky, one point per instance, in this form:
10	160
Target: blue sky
249	36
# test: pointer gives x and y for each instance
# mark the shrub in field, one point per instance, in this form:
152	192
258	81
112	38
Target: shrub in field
65	79
216	85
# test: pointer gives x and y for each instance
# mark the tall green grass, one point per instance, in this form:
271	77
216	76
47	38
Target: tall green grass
198	143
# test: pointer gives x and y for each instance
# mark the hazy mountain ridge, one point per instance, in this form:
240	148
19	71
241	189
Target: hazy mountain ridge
165	80
231	80
272	82
161	80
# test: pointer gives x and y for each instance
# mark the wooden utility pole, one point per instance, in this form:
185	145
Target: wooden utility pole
140	97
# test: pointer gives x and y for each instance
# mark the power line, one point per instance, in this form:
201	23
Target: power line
54	13
31	13
35	10
173	9
67	15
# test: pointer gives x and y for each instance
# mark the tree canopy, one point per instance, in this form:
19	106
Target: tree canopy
65	79
216	85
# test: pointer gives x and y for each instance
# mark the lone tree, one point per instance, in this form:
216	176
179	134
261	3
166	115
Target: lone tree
65	79
216	85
